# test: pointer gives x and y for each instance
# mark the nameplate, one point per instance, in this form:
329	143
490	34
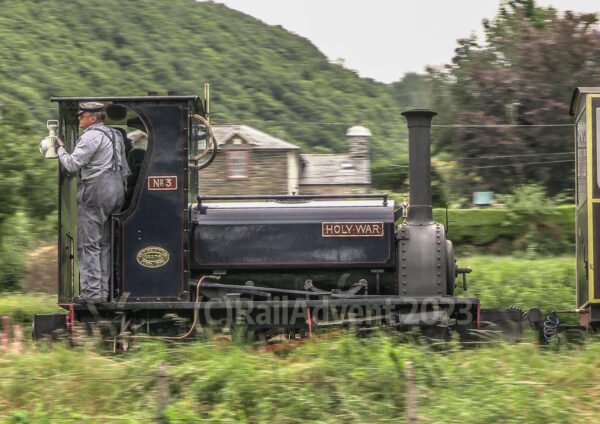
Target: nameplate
352	229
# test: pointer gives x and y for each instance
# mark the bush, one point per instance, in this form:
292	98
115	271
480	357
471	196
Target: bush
546	230
14	245
533	212
502	281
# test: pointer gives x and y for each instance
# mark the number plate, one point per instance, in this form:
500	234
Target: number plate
162	183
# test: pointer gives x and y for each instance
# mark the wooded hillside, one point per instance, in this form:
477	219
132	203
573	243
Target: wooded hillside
522	74
260	75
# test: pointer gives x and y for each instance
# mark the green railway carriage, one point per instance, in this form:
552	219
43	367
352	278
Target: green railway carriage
585	108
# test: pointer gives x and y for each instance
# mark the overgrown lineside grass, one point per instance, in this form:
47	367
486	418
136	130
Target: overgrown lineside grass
21	307
502	281
344	379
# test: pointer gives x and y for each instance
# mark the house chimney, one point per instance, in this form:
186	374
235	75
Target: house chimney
358	138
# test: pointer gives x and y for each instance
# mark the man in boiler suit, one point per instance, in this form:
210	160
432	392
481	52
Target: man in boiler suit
99	159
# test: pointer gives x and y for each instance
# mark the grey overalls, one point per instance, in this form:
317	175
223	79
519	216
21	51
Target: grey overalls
100	193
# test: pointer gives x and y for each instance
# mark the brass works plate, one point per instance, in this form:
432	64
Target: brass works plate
152	257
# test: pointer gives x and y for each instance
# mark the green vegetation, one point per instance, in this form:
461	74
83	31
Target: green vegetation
28	193
502	230
21	307
503	281
347	378
260	75
343	379
522	74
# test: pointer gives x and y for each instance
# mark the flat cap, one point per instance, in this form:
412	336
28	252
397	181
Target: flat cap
91	107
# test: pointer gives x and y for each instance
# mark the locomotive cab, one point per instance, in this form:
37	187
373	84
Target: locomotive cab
149	244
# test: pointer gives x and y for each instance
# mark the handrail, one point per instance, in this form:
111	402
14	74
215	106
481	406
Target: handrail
278	197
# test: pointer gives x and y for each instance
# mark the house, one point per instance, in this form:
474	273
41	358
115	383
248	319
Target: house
250	161
339	173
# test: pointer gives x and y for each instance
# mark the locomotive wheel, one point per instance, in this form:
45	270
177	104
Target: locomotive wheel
465	332
435	334
264	335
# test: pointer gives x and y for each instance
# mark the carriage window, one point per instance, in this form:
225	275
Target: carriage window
581	140
598	146
237	164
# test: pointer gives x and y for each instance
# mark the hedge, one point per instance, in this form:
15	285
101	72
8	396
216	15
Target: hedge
505	230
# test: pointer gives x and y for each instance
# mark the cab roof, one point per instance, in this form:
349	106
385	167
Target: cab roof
198	105
125	99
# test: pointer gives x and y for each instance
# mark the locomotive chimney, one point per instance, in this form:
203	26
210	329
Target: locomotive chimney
419	156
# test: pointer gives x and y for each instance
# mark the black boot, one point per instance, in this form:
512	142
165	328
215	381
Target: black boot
82	300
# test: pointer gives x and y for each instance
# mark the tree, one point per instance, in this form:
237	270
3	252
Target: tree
28	190
523	74
27	180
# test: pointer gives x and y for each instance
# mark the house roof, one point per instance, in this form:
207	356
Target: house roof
334	169
255	138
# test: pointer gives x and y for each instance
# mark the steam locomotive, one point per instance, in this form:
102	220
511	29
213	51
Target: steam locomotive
288	262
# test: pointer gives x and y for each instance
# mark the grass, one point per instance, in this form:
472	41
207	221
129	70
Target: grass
345	379
502	281
21	307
